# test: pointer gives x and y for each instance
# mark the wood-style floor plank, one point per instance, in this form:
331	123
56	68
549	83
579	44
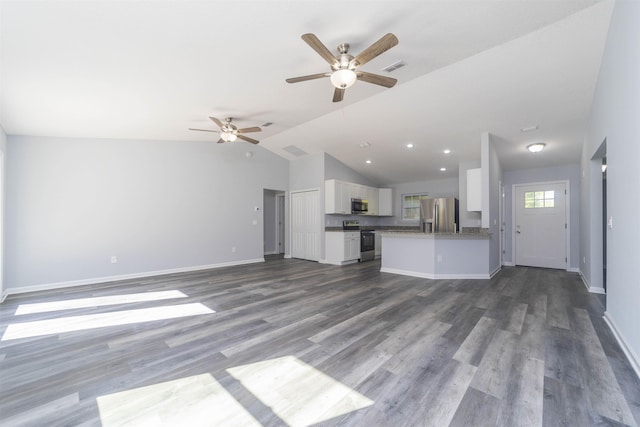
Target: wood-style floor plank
293	342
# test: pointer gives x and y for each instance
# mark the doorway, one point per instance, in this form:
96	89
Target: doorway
541	224
273	213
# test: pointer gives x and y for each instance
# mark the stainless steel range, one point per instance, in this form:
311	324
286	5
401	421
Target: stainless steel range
367	239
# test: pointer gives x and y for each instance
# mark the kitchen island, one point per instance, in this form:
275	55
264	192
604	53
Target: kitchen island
436	256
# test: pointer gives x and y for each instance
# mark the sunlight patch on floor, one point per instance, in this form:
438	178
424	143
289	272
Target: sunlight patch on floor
298	393
70	304
193	401
101	320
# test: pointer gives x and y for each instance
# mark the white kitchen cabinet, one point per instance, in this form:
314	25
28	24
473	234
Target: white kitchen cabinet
342	247
385	202
474	189
371	195
337	197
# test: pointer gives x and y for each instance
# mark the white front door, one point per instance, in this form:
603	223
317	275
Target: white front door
541	225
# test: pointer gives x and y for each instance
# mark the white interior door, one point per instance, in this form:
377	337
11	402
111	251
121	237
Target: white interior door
305	225
280	223
541	225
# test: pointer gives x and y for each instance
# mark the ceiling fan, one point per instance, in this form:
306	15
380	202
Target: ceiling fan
344	67
230	132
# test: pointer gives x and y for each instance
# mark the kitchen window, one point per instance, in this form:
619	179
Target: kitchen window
411	206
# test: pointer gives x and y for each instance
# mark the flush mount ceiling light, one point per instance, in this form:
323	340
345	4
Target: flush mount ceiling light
443	169
447	151
409	145
368	162
536	148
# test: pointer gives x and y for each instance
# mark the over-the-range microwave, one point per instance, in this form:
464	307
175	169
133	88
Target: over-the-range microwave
359	206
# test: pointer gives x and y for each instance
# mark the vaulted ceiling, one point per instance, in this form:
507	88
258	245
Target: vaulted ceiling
151	70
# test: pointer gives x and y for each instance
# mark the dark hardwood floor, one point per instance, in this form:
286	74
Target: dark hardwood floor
291	342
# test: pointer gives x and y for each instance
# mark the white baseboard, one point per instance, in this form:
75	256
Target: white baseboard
573	270
496	271
104	279
591	289
508	264
633	358
4	295
271	253
433	276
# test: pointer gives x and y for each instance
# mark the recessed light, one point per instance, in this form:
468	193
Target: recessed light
409	145
443	169
447	151
368	162
536	148
529	128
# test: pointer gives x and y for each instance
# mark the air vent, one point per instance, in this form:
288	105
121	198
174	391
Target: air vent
292	149
267	124
394	66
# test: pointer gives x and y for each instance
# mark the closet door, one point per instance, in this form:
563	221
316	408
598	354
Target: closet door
305	225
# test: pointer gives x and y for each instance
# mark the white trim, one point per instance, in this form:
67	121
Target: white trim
633	358
591	289
496	271
508	264
433	276
93	281
573	270
567	213
271	253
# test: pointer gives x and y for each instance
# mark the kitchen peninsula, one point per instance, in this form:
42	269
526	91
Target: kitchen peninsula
436	256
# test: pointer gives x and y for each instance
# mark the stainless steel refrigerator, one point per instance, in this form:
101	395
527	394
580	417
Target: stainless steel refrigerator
439	215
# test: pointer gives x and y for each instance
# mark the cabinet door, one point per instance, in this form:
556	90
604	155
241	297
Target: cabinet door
354	252
385	202
331	199
372	198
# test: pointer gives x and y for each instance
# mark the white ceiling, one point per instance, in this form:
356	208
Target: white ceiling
153	69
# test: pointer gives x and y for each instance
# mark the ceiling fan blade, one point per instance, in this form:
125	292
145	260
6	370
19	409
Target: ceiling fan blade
246	138
310	77
385	43
322	50
247	130
204	130
376	79
220	141
338	94
216	121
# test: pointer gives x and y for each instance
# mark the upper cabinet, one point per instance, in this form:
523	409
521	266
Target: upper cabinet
385	202
338	195
474	189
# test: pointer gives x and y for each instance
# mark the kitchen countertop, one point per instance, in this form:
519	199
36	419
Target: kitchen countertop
421	235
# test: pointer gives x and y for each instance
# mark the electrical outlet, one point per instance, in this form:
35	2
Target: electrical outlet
114	259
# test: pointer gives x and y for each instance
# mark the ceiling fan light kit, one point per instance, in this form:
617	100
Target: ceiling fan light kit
345	68
343	78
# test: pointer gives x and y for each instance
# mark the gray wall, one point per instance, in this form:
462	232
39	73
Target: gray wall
614	117
492	175
156	205
569	173
3	150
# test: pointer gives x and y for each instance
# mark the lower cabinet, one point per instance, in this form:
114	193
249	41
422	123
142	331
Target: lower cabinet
342	247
